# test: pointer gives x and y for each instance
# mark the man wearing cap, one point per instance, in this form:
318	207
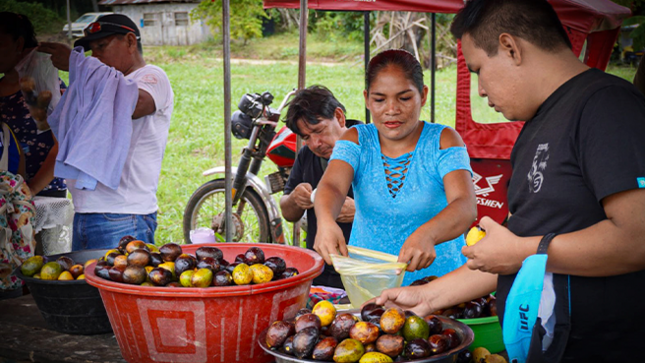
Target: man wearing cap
104	215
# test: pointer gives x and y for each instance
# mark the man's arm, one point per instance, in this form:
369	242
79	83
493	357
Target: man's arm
145	105
614	246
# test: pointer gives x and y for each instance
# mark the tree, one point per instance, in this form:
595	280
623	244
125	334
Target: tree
245	17
638	9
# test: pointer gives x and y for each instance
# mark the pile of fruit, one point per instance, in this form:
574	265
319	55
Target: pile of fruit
482	307
383	335
138	263
63	269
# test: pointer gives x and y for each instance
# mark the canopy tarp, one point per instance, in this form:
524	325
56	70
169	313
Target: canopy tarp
582	15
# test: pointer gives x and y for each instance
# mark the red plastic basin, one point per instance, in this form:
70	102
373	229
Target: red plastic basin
214	324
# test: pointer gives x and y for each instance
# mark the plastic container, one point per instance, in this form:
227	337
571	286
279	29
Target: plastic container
214	324
202	235
463	331
72	307
488	333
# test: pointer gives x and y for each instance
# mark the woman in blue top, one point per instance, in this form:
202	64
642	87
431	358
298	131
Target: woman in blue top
412	183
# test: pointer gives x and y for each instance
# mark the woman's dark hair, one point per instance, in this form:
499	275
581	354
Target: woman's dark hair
312	104
532	20
18	26
398	57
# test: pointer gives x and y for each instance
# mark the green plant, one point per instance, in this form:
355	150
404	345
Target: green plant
245	17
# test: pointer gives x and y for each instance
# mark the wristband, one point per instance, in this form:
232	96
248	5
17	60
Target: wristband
544	243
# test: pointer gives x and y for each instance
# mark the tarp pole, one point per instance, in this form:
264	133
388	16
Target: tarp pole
366	41
228	182
433	65
302	81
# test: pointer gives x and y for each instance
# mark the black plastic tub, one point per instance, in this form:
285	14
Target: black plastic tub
71	307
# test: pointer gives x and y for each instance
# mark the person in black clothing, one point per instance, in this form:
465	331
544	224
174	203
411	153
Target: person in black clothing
578	172
319	118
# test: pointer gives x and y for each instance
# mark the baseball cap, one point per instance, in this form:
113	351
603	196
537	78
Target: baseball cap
105	26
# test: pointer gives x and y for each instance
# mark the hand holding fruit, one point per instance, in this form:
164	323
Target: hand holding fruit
417	299
302	196
499	252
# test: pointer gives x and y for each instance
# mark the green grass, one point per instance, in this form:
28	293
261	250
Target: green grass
196	138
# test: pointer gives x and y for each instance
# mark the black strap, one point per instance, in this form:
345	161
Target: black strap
544	243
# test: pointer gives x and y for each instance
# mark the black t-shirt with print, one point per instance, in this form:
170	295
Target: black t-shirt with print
308	168
586	142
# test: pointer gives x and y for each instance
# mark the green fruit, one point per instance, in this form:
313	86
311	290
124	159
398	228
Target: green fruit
51	271
349	351
32	265
186	277
202	278
415	327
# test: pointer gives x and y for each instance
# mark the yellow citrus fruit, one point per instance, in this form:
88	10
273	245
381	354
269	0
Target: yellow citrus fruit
375	357
242	274
261	273
81	277
65	276
474	235
325	311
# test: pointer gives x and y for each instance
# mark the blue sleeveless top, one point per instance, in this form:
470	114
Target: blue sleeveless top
385	214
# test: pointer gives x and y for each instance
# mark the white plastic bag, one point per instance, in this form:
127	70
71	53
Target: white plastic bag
39	67
365	273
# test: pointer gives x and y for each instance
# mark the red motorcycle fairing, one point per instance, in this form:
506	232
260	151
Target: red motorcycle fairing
282	150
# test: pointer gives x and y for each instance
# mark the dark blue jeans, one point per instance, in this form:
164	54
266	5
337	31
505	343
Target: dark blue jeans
104	230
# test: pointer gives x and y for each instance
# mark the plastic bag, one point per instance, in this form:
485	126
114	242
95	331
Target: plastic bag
41	76
365	273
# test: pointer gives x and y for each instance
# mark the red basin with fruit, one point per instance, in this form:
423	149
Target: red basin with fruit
214	324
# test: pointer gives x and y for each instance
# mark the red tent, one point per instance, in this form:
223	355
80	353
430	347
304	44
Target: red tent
596	22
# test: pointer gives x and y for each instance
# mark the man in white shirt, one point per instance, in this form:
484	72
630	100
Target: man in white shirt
103	216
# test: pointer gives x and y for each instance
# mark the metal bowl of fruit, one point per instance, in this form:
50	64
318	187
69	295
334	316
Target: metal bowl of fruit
372	334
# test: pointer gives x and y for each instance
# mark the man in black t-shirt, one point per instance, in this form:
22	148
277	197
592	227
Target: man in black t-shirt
578	172
316	116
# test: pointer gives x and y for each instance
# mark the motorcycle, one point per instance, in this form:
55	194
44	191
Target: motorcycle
256	216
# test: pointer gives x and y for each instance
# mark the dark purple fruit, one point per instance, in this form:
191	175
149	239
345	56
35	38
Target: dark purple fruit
453	313
155	259
308	321
341	325
367	309
135	275
240	258
409	313
472	310
324	350
287	347
391	345
66	263
304	342
417	349
209	263
439	343
301	312
116	273
434	324
492	305
278	333
184	262
208	251
159	276
102	270
289	272
139	257
454	338
170	251
222	278
222	264
276	264
254	255
231	267
465	356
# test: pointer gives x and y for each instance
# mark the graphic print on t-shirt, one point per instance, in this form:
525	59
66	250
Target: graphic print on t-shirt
535	176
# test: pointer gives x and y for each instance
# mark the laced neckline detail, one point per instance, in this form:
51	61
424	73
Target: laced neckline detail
396	170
